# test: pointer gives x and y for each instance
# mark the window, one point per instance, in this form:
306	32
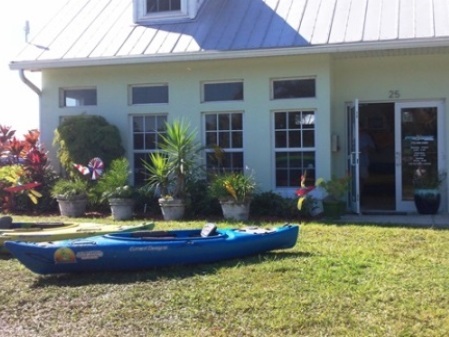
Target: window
155	6
224	141
223	91
78	97
293	88
149	94
147	131
165	11
294	147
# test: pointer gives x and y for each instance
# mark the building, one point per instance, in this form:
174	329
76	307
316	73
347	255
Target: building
281	85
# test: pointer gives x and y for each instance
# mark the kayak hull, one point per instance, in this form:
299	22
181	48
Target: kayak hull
146	249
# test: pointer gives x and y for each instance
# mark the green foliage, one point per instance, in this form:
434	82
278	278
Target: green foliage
83	137
272	205
70	188
335	187
159	174
235	186
177	161
423	179
114	182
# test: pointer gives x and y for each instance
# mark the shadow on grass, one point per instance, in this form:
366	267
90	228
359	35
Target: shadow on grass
157	274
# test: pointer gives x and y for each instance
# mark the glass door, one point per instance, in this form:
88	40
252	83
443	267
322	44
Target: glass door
418	146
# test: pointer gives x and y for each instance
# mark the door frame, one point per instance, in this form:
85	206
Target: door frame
352	110
409	205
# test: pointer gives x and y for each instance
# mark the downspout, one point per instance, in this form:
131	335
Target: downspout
29	83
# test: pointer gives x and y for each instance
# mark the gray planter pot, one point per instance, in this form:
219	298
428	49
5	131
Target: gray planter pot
234	211
172	209
72	208
121	208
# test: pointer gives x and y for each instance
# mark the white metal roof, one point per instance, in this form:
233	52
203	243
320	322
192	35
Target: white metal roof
95	32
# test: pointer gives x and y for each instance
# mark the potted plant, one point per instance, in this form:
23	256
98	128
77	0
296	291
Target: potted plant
114	187
336	188
170	168
234	191
427	194
71	195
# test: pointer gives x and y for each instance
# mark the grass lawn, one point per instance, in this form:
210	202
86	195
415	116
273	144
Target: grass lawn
339	280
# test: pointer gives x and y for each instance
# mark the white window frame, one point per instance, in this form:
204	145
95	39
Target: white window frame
132	86
204	83
229	149
62	102
288	190
189	9
299	78
143	151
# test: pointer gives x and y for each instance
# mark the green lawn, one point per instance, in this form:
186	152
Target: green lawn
338	281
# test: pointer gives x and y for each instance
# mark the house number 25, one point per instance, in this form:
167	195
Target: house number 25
394	94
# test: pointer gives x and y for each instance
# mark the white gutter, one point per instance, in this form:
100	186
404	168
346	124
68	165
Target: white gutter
29	83
234	54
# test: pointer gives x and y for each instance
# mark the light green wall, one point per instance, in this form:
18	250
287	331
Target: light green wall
339	80
184	81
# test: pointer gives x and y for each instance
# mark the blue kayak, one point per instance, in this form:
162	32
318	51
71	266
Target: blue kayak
141	250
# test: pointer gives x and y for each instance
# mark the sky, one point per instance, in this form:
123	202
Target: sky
19	104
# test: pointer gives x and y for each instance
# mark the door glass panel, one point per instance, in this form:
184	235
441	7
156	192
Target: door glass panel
419	145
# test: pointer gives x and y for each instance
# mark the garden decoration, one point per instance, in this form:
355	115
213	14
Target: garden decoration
95	167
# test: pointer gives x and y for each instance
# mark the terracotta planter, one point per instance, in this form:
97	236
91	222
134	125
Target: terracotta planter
172	209
234	211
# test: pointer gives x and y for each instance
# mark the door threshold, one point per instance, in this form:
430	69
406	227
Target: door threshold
382	212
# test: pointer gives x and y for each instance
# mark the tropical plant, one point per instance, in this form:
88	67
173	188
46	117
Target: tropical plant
114	183
159	175
336	187
70	189
177	161
235	186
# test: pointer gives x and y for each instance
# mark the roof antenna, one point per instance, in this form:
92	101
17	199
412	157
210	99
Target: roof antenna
26	29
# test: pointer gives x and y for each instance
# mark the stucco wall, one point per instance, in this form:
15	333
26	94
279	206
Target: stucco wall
184	81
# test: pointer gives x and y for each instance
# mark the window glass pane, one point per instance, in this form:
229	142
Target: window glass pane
80	97
211	122
223	122
150	141
139	172
237	140
138	141
294	138
280	139
308	139
154	6
229	91
138	124
237	122
150	94
224	140
298	88
280	120
211	139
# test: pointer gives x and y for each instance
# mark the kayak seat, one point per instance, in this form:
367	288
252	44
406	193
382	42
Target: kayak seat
6	222
209	229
